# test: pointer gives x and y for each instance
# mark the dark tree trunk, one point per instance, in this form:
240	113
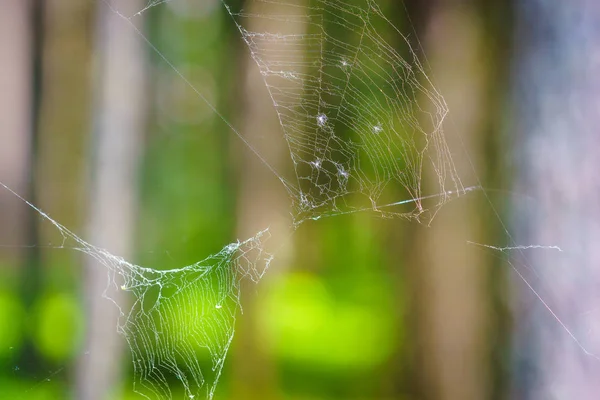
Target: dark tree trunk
450	299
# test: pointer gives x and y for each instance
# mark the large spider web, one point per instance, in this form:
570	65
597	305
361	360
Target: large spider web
358	116
362	123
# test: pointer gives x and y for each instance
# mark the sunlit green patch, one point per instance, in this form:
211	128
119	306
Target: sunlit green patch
58	326
303	323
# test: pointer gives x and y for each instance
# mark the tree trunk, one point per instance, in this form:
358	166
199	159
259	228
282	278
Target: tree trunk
262	202
15	123
450	292
119	110
556	93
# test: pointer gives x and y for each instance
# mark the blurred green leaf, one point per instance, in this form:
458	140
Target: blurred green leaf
303	323
58	326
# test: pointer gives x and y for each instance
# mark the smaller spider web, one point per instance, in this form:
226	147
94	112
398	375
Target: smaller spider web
178	323
178	315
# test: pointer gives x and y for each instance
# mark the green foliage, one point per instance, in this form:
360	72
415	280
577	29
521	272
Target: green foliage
45	389
58	326
11	324
304	323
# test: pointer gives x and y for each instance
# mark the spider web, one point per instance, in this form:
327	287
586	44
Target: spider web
361	120
358	117
176	314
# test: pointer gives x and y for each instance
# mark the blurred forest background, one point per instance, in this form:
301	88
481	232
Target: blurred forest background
101	133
